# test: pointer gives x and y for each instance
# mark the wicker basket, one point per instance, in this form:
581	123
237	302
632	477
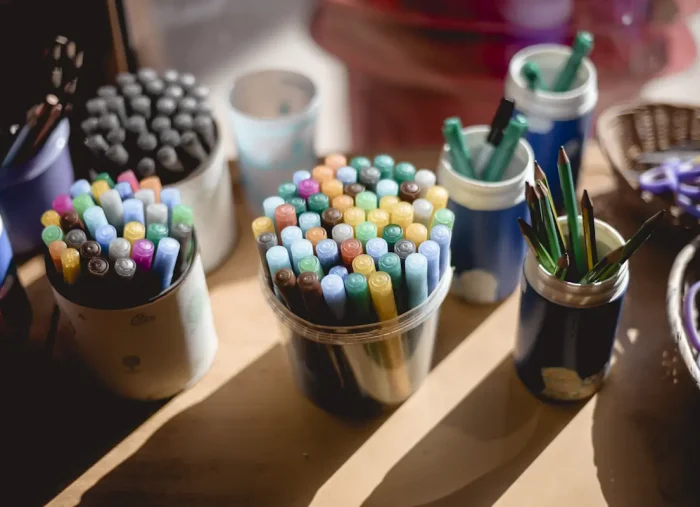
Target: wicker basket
627	132
684	273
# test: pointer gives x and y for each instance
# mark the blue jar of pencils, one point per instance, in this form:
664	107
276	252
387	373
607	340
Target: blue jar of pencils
487	247
27	190
567	330
554	118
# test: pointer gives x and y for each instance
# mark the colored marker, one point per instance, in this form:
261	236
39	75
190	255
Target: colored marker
270	204
285	216
341	232
366	200
359	163
104	236
385	165
332	188
404	171
442	235
312	297
340	271
183	234
134	231
158	214
309	220
375	248
322	173
354	217
105	177
81	203
347	175
334	293
388	202
330	218
402	215
311	264
380	288
495	135
62	204
171	198
422	212
133	211
365	231
147	196
533	76
130	178
51	233
583	44
425	179
98	188
155	232
349	249
287	190
343	202
94	217
119	248
152	182
502	155
315	235
50	217
353	189
369	177
358	298
390	263
182	214
75	238
363	264
409	191
416	271
286	286
318	203
431	250
299	205
391	234
70	221
89	250
165	260
56	248
300	176
70	261
307	188
111	203
289	235
80	187
300	249
444	216
328	254
417	233
124	189
335	161
379	218
458	154
387	187
438	196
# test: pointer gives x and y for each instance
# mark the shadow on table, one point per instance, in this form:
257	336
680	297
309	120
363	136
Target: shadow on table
646	419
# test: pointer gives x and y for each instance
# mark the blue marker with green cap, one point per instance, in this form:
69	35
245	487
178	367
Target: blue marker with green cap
502	155
583	44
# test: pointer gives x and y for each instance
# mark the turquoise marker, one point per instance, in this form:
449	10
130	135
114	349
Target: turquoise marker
308	220
287	190
358	297
93	218
289	235
359	163
404	171
390	263
502	155
416	272
269	206
318	203
533	76
299	205
459	152
583	44
385	165
387	187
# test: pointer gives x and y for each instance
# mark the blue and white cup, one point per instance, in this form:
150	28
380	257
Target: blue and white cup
487	246
555	119
273	114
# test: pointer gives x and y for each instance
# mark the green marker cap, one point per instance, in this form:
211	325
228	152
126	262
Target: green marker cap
391	263
81	203
156	232
106	177
312	265
299	205
404	171
391	234
385	164
583	43
51	233
365	231
444	216
517	126
366	200
318	202
287	190
360	163
182	214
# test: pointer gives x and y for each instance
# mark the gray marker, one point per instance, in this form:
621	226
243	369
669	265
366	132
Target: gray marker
168	159
191	145
187	105
159	124
118	156
116	105
175	92
147	143
132	90
204	108
183	122
97	144
107	91
90	125
108	122
75	238
96	106
200	93
119	248
204	126
136	125
116	136
141	105
166	106
155	88
171	76
170	138
146	75
125	78
146	167
187	81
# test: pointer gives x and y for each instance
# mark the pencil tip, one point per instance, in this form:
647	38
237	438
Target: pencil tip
563	261
539	173
563	157
586	201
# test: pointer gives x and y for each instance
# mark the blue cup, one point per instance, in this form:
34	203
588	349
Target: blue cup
27	190
555	119
487	246
567	330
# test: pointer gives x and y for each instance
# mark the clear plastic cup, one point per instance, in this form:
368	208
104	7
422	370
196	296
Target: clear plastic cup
356	371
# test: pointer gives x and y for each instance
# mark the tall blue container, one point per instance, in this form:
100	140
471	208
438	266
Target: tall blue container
487	246
26	191
555	119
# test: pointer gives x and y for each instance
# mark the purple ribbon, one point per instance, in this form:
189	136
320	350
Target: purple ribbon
688	322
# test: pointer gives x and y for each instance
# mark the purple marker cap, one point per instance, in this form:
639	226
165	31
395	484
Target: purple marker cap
62	204
142	253
308	187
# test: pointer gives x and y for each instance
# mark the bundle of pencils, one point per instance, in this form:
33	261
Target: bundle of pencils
494	155
117	245
355	244
155	124
22	142
573	258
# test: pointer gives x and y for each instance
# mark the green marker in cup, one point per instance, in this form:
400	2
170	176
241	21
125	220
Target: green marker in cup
497	165
459	152
533	76
583	44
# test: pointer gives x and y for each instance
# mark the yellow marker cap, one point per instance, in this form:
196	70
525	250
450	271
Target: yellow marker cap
56	249
134	231
335	161
363	264
402	215
322	173
316	234
382	295
99	187
262	224
343	202
70	261
354	216
380	218
332	188
50	217
388	202
417	233
438	196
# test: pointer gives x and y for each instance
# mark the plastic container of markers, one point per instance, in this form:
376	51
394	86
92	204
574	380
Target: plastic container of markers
26	191
152	350
554	119
487	246
208	191
567	330
357	371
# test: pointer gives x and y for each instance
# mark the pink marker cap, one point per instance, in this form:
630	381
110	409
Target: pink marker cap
142	253
308	187
62	204
130	178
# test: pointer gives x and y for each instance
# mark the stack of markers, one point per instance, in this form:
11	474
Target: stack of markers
494	156
159	125
117	245
565	78
355	244
573	258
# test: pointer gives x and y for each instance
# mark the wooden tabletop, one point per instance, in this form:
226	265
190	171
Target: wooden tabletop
471	436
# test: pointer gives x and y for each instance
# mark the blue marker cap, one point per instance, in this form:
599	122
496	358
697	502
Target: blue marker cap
346	175
300	249
387	187
289	235
124	189
165	260
327	253
431	250
442	235
416	270
341	271
300	176
104	236
333	288
309	219
171	198
375	248
93	218
269	206
277	258
80	187
133	211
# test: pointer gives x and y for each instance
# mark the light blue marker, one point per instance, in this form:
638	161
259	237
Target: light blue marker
375	248
111	203
327	253
431	250
290	234
124	189
347	175
80	187
165	260
341	271
171	198
277	258
300	176
442	235
269	206
300	249
146	196
387	187
104	236
133	211
93	218
416	271
309	219
333	288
